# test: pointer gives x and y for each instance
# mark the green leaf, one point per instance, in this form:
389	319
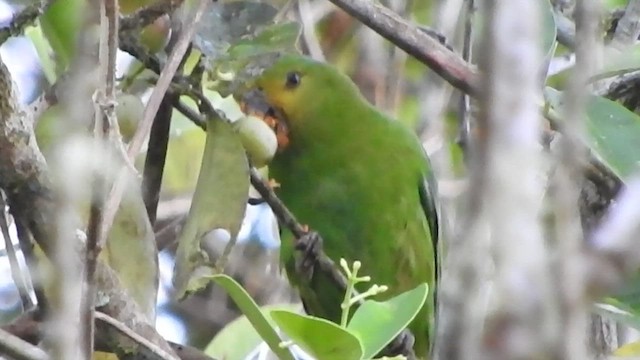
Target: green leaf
618	63
613	132
60	24
219	202
239	337
273	38
321	338
131	249
376	323
250	309
250	55
44	51
227	22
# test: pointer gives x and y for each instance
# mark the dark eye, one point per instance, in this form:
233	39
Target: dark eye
293	80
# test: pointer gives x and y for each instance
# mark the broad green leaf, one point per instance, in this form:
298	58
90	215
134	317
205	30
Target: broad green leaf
320	338
250	55
276	37
238	338
261	323
131	250
60	24
613	132
44	51
377	323
619	63
233	35
227	22
219	202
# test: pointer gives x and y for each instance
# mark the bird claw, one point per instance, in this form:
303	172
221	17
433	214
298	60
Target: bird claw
309	247
273	183
401	345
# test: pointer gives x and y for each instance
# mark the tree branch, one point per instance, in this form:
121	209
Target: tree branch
29	188
416	43
22	20
18	349
111	336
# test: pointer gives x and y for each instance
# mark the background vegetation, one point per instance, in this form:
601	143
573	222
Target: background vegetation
528	110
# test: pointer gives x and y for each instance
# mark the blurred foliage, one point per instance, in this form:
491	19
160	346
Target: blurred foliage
230	44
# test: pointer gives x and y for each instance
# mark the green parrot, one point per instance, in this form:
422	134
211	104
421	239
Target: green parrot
360	179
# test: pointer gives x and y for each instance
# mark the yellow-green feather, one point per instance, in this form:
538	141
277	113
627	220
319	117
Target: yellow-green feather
356	177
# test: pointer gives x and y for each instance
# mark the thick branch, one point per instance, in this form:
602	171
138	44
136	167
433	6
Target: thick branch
28	186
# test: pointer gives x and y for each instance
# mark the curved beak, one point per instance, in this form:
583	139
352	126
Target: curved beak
254	103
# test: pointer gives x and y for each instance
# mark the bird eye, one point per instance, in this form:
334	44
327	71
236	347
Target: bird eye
293	80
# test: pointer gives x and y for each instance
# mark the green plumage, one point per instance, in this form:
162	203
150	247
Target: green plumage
359	179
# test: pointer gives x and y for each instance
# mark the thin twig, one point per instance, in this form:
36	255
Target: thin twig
112	336
169	70
158	143
16	273
464	115
104	119
144	127
416	43
22	20
190	114
308	30
148	14
33	263
18	349
287	218
144	348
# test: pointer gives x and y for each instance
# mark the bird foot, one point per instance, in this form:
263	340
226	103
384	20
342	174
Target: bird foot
401	345
309	246
273	183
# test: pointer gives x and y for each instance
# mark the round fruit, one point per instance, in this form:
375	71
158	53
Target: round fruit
129	111
258	140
